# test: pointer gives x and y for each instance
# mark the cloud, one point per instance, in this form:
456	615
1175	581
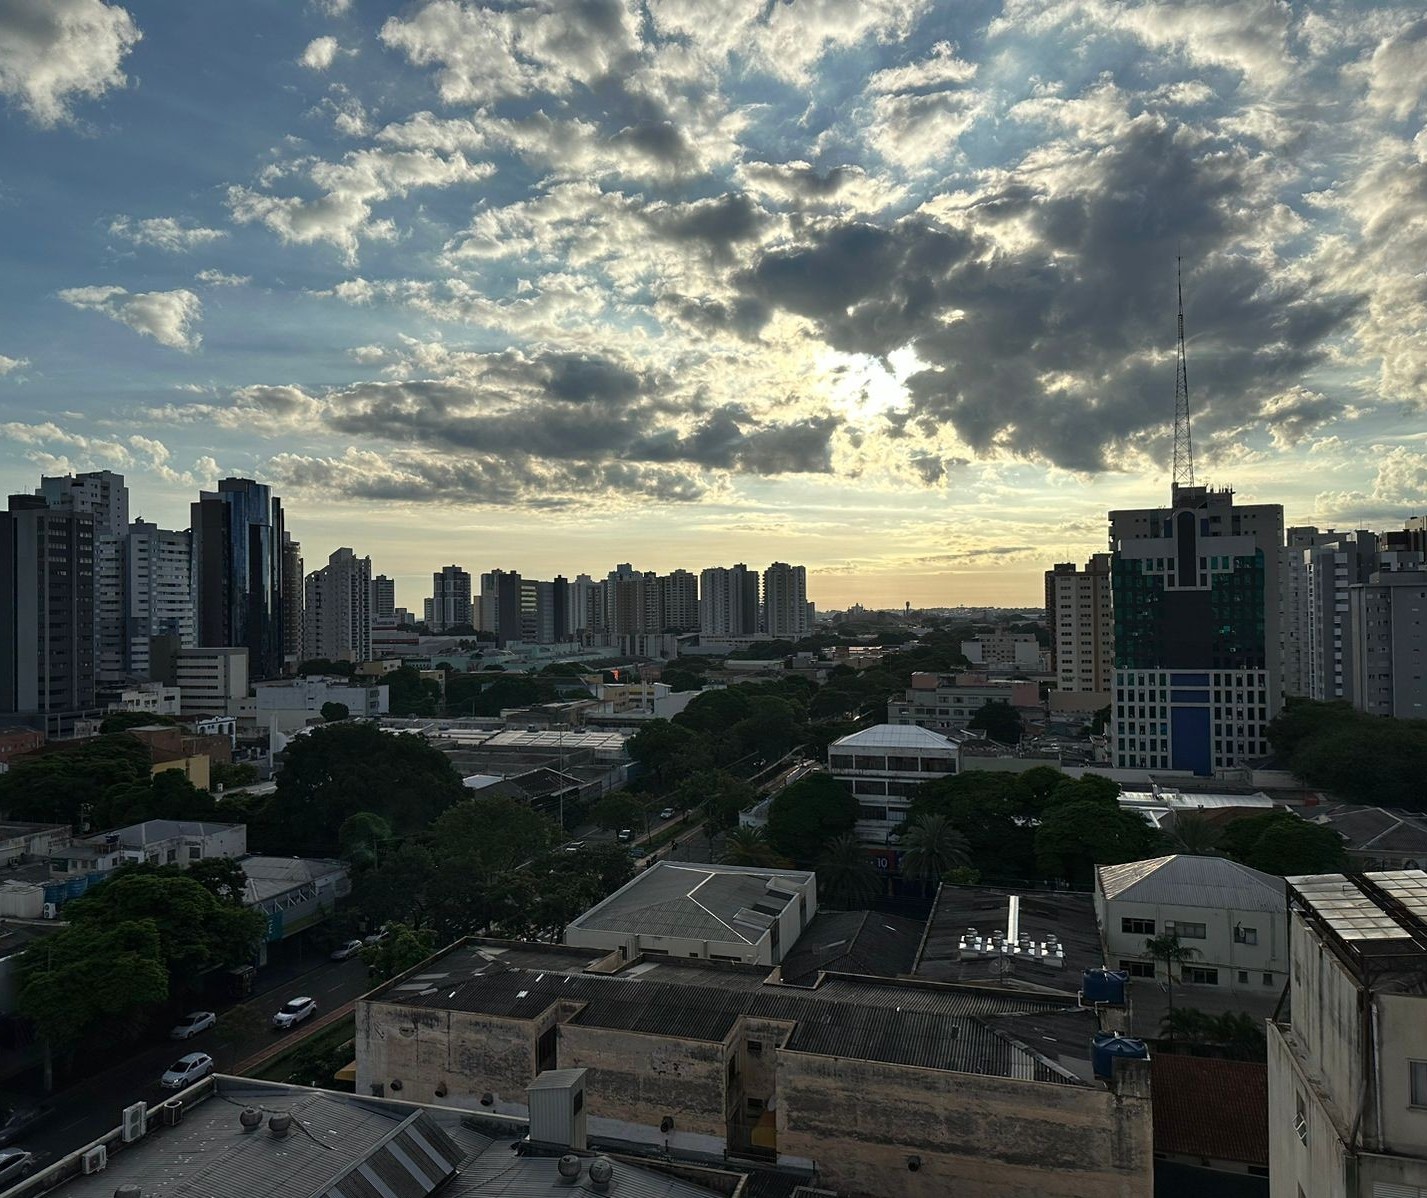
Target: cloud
1396	71
54	52
319	54
166	316
164	233
332	8
216	278
8	364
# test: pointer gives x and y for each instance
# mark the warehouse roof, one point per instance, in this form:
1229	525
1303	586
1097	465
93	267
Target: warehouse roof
1185	881
896	736
863	942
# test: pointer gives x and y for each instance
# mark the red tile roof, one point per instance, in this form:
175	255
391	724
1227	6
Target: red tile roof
1210	1108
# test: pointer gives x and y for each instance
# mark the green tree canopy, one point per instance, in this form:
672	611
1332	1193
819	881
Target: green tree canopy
223	877
333	711
1279	842
122	721
1355	756
846	877
403	948
932	848
361	836
165	795
409	694
1000	721
803	817
749	846
668	751
58	784
618	810
1080	833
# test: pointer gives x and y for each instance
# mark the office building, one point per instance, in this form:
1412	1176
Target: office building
1080	610
293	585
728	601
210	681
946	703
1389	670
450	602
502	605
785	602
1410	538
47	631
337	614
679	597
583	594
158	592
1347	1056
1318	648
383	598
884	767
238	572
1196	608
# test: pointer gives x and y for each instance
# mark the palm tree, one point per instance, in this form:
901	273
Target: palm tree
932	847
845	875
1188	1024
1240	1035
1195	833
748	846
1167	948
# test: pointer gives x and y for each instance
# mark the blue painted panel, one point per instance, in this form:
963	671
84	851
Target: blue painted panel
1190	746
1189	679
1189	697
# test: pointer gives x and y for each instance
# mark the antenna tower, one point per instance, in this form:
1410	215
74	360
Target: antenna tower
1183	446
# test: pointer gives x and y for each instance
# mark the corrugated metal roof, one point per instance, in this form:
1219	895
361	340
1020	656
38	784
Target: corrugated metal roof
1185	881
895	736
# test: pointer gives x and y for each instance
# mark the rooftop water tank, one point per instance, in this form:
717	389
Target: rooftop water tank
1106	1046
1104	985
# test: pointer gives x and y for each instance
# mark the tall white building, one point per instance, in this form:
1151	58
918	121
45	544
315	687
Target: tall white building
337	609
1319	567
1081	613
785	601
728	601
158	592
1389	675
450	602
584	591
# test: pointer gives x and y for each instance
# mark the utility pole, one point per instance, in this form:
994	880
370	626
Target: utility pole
1183	446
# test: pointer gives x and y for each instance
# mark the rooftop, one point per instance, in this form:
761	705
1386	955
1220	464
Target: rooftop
896	736
698	902
1068	918
1376	829
858	942
963	1029
153	830
341	1146
1205	1107
269	877
1185	881
1374	918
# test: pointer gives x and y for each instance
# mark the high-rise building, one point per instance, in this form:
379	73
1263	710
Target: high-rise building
46	608
785	601
293	585
1319	567
158	592
584	592
626	602
1080	611
237	571
103	495
728	601
1386	614
679	597
1196	608
450	602
337	613
383	598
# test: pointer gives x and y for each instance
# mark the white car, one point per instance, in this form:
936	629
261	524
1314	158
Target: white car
187	1070
295	1010
193	1023
15	1163
667	813
350	949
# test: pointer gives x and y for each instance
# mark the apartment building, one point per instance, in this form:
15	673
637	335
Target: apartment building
1389	670
1080	609
337	611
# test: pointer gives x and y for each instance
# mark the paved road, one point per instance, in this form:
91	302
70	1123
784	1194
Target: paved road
92	1107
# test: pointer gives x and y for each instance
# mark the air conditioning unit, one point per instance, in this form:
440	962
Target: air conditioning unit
50	911
171	1113
94	1160
135	1121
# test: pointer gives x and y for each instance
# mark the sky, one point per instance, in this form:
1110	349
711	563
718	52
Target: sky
884	287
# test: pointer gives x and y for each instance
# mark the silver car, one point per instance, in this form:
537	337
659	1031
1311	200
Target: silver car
193	1023
15	1163
187	1070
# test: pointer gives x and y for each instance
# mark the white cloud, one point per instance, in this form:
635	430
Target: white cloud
166	316
53	52
163	233
216	278
320	53
9	364
332	8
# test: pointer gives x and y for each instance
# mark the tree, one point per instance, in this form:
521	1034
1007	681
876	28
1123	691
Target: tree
1195	833
682	680
58	785
1000	721
122	721
668	751
409	694
1279	842
403	948
1168	949
749	846
361	836
1076	835
165	795
717	795
932	848
223	877
806	815
845	875
333	711
226	775
617	811
317	666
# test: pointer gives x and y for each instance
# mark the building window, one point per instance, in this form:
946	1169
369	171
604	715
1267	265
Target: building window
755	1106
1137	927
1268	979
1138	969
195	853
755	1047
1419	1082
1200	976
1190	931
1243	935
1243	977
1300	1118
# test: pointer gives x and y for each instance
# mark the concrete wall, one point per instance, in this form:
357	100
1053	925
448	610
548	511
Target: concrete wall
1218	950
976	1137
1402	1034
1316	1165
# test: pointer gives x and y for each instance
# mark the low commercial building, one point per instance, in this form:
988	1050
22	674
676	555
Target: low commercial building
947	702
1233	918
1347	1065
884	766
294	892
153	698
711	912
882	1087
293	703
1210	1124
210	681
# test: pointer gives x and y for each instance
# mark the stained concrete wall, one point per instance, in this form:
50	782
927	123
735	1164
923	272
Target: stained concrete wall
974	1136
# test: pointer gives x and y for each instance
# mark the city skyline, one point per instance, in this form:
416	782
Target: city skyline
882	288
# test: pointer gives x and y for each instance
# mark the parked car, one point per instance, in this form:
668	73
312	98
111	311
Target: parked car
574	846
193	1023
295	1010
20	1119
187	1070
376	937
667	813
626	835
350	949
15	1163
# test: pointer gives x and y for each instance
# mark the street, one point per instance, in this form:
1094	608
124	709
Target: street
92	1107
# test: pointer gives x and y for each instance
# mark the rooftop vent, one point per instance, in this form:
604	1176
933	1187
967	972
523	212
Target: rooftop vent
570	1167
250	1119
279	1125
601	1173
